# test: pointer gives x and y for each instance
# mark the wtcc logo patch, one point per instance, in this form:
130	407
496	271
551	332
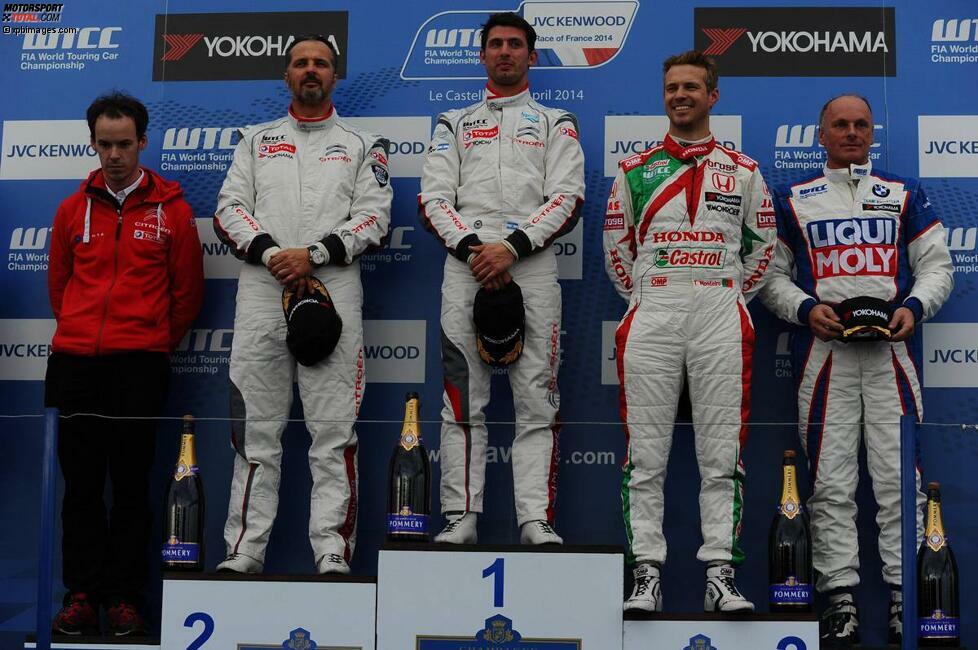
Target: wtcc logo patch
569	35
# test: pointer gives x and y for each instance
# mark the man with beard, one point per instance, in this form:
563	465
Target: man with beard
502	179
855	231
305	195
688	235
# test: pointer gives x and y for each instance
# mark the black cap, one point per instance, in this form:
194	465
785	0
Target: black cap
865	318
500	324
314	326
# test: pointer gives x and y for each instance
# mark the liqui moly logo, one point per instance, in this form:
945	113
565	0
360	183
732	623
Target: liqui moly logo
844	247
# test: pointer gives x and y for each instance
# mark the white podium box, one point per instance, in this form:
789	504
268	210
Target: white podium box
247	612
450	597
720	632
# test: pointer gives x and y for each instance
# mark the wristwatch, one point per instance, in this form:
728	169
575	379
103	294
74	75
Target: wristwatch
316	256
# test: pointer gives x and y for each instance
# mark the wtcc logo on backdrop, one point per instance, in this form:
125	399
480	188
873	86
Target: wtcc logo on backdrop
196	149
951	355
569	35
954	40
68	48
963	244
796	147
25	344
948	145
394	351
627	135
196	47
802	41
46	149
27	251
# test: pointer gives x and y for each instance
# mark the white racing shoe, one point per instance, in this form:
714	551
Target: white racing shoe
240	563
539	532
460	529
646	590
721	591
332	563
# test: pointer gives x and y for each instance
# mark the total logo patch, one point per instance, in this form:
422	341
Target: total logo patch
280	150
700	258
480	136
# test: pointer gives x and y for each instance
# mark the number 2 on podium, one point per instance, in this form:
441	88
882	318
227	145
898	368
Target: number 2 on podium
498	570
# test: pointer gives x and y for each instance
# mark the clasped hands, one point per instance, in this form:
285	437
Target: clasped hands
490	265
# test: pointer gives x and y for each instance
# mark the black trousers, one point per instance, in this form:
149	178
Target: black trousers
104	550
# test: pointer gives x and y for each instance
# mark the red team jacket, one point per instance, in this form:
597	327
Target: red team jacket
135	281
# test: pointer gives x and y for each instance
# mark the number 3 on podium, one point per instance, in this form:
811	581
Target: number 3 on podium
498	570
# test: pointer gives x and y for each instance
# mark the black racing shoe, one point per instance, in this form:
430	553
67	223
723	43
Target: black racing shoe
839	625
895	636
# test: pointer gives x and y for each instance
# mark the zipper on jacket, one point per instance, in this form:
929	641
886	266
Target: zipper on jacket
115	272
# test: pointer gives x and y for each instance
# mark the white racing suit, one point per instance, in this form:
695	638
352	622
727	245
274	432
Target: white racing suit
505	169
846	233
688	236
294	182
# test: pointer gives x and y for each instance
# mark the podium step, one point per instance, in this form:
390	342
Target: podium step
64	642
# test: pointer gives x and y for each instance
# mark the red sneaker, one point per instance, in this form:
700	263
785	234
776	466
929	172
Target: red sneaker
77	617
125	620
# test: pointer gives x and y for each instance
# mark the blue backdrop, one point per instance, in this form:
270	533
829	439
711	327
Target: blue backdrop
204	75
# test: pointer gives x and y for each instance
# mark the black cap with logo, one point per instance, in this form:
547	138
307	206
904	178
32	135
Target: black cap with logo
500	324
314	327
864	318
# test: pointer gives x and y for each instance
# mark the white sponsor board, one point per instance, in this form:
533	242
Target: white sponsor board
748	634
951	355
25	344
394	351
627	135
46	149
264	613
565	597
219	262
609	366
570	253
409	138
948	146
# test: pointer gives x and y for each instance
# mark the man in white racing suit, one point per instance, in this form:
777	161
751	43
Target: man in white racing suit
688	236
851	231
502	179
305	195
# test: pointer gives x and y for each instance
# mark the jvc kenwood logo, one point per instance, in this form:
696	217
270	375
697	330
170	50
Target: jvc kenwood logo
30	239
948	145
802	41
620	132
951	355
195	47
394	351
46	149
25	344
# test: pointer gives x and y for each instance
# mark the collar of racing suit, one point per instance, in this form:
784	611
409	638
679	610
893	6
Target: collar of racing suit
853	172
498	102
313	123
676	150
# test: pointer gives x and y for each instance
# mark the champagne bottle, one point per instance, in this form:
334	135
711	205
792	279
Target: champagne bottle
937	580
409	481
790	548
183	528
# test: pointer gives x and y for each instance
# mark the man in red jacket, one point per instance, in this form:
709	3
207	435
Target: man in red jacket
125	280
